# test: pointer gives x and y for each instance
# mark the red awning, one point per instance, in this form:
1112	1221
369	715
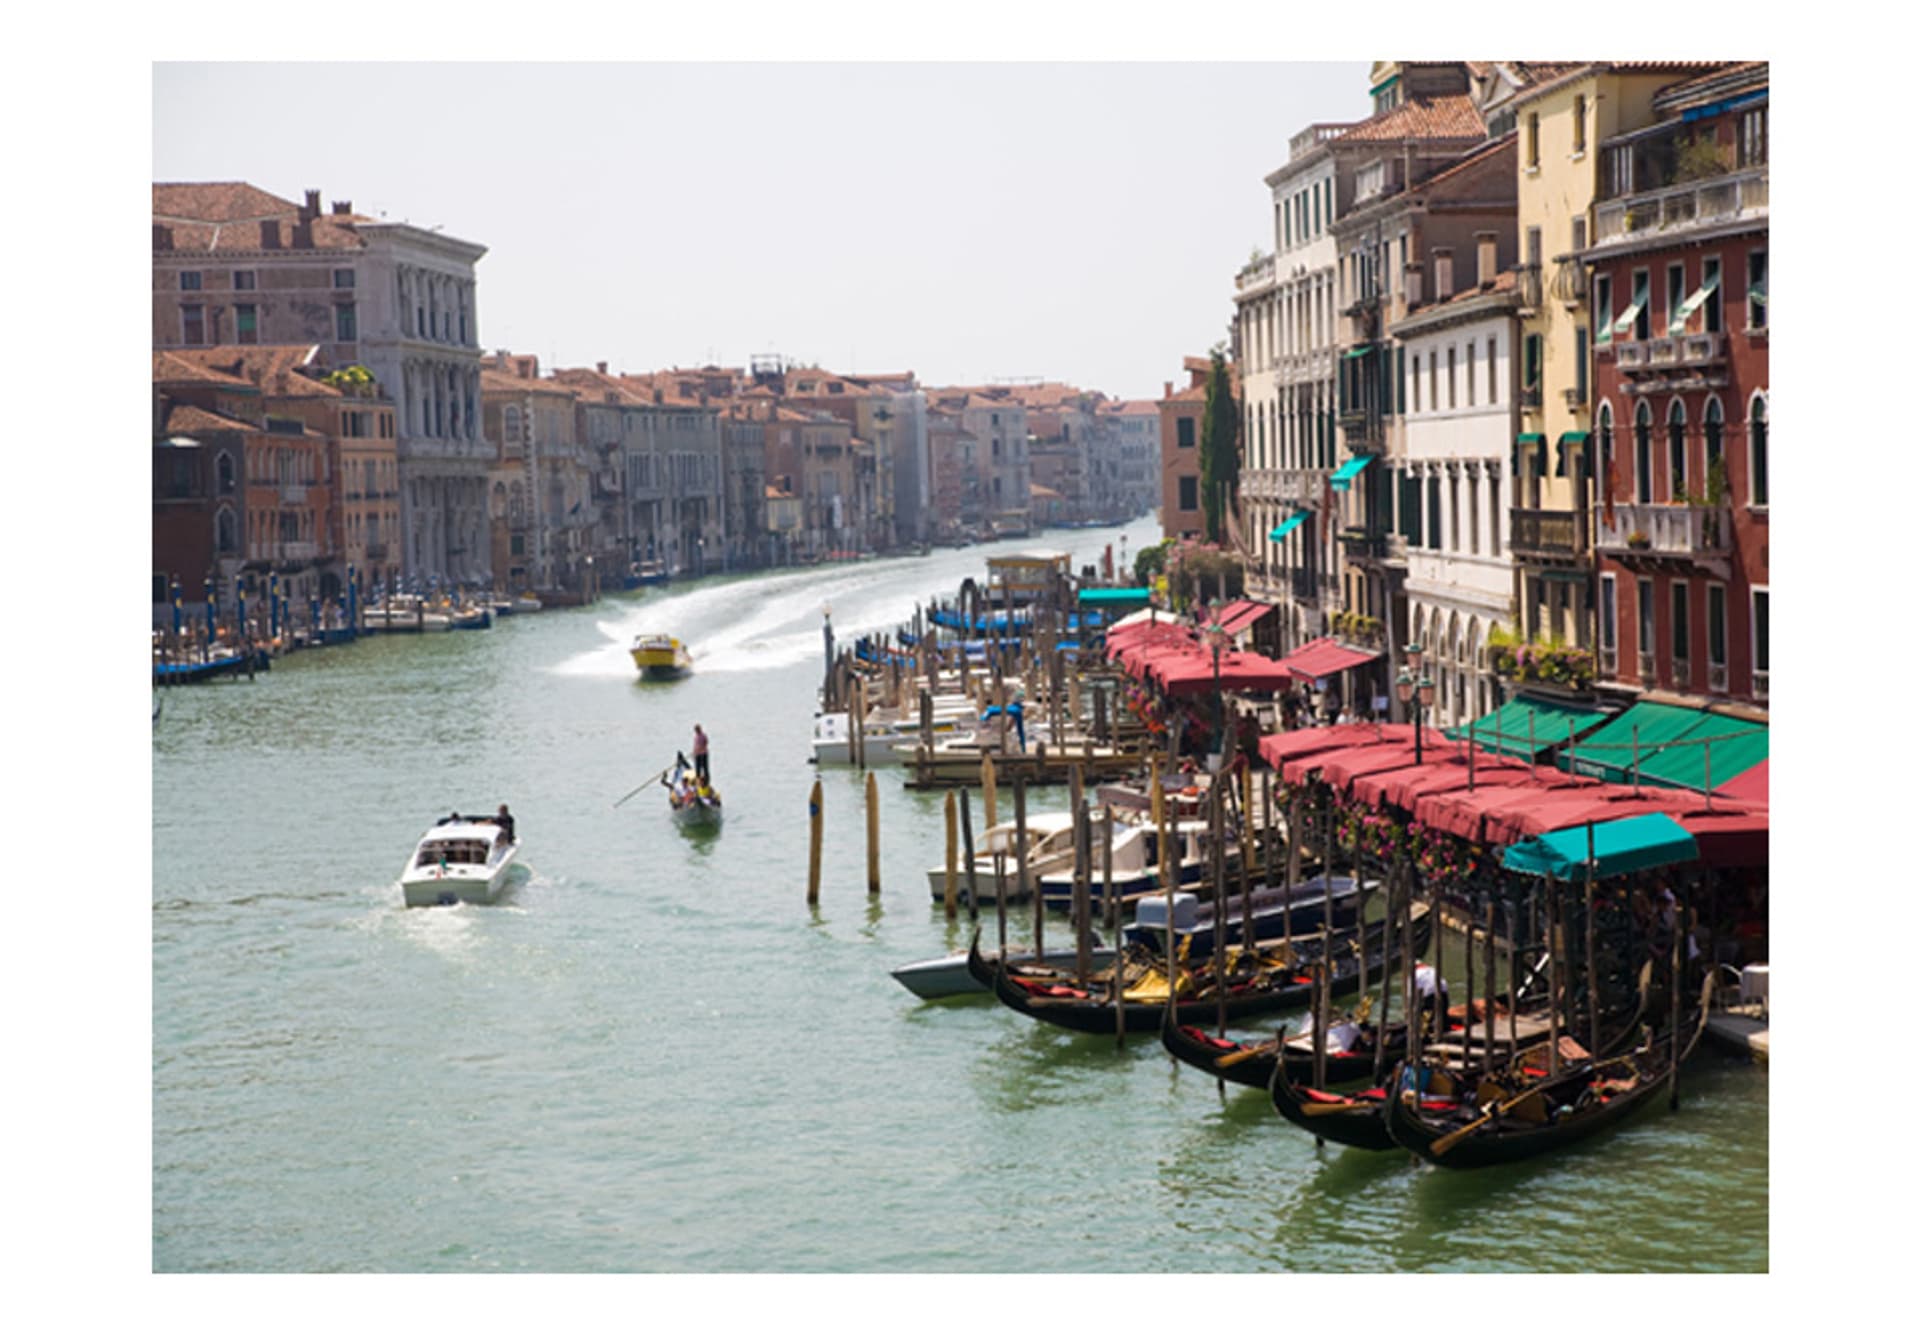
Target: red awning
1551	810
1325	657
1343	768
1728	836
1194	674
1279	747
1750	786
1237	616
1445	772
1361	737
1469	814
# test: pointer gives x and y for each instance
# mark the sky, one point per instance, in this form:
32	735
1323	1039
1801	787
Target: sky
969	222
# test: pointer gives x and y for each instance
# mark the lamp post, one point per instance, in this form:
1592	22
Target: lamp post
1216	640
1417	694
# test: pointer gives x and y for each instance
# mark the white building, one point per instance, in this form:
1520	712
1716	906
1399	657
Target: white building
1461	412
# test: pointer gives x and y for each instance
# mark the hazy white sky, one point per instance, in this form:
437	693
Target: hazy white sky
1080	222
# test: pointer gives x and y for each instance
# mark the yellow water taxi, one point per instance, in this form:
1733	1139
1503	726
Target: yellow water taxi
661	657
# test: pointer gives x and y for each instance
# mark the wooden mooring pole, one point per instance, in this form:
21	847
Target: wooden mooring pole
873	834
813	844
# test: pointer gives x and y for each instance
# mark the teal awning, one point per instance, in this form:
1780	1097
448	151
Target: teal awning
1287	525
1677	747
1360	351
1350	470
1528	727
1529	438
1636	843
1115	597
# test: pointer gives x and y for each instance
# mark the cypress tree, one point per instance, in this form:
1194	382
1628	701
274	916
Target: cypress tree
1219	449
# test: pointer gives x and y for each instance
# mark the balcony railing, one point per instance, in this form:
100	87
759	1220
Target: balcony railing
1717	678
1544	532
1704	349
1569	280
1646	669
1759	684
1527	280
1731	198
1364	543
1668	530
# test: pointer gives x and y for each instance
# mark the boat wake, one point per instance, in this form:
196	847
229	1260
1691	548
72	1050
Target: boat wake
747	625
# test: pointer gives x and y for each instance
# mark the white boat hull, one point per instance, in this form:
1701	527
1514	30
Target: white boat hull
428	887
934	979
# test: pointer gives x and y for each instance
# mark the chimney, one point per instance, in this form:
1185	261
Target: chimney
1168	393
342	207
303	235
1489	252
1442	272
311	209
600	366
270	234
1413	275
162	236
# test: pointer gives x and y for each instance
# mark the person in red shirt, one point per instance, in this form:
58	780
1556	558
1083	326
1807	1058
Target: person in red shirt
700	755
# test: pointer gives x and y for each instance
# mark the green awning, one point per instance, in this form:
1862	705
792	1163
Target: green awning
1625	322
1360	351
1529	438
1115	597
1574	437
1677	747
1350	470
1678	324
1287	525
1636	843
1505	730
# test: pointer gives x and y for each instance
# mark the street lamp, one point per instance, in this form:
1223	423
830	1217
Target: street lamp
1217	640
1419	694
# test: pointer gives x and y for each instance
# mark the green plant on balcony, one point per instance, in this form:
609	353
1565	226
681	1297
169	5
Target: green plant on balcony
1638	540
1698	159
356	380
1197	570
1531	662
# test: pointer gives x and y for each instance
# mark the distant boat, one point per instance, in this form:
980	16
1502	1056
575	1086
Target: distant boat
642	574
661	657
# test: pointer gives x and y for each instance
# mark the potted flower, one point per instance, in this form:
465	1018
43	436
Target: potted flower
1638	540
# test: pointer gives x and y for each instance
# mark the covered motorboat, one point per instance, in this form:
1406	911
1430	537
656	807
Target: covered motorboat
661	657
459	860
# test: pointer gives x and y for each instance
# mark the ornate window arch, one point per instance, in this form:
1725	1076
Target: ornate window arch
1676	450
1643	453
1757	449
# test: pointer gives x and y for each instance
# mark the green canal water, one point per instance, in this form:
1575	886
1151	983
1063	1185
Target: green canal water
655	1057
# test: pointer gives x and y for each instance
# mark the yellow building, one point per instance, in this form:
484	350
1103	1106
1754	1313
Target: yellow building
1560	123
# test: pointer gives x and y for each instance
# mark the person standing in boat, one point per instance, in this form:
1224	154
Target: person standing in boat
505	821
1430	999
700	755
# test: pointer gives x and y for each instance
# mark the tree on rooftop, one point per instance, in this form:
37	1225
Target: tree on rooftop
1219	449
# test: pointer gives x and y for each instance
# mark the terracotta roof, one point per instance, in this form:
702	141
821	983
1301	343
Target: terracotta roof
226	215
273	368
185	420
181	367
505	382
594	387
1679	92
1422	118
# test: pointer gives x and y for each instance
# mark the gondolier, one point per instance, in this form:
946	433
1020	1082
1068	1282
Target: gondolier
1430	999
700	755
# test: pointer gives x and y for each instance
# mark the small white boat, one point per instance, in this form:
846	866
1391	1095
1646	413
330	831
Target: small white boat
933	979
459	861
1049	848
661	657
404	613
889	741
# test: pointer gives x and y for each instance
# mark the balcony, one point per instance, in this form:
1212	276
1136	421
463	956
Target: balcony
1305	587
1685	532
1706	349
1569	280
1662	215
1539	532
1256	274
1527	282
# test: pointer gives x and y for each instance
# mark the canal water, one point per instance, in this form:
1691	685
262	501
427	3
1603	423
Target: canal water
655	1057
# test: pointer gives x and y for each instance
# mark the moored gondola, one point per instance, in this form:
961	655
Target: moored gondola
1271	977
1252	1063
1352	1119
1524	1110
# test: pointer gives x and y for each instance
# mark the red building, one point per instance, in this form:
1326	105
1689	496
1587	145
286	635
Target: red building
1679	295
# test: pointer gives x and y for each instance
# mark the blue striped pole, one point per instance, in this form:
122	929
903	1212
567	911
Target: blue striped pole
313	616
176	611
273	606
209	588
353	603
240	600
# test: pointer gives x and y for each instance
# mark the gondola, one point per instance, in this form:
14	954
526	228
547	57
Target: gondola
1359	1119
1521	1111
1271	977
1252	1063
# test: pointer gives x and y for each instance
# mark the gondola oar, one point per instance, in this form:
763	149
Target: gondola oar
642	788
1452	1138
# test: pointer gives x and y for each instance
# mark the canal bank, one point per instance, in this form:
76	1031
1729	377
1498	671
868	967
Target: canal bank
654	1057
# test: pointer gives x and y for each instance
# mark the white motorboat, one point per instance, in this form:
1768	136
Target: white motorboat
1049	848
459	861
934	979
888	740
405	612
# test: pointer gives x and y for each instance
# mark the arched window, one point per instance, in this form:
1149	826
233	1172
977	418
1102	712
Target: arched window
1676	451
226	536
223	469
1757	443
510	424
1713	427
1643	454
